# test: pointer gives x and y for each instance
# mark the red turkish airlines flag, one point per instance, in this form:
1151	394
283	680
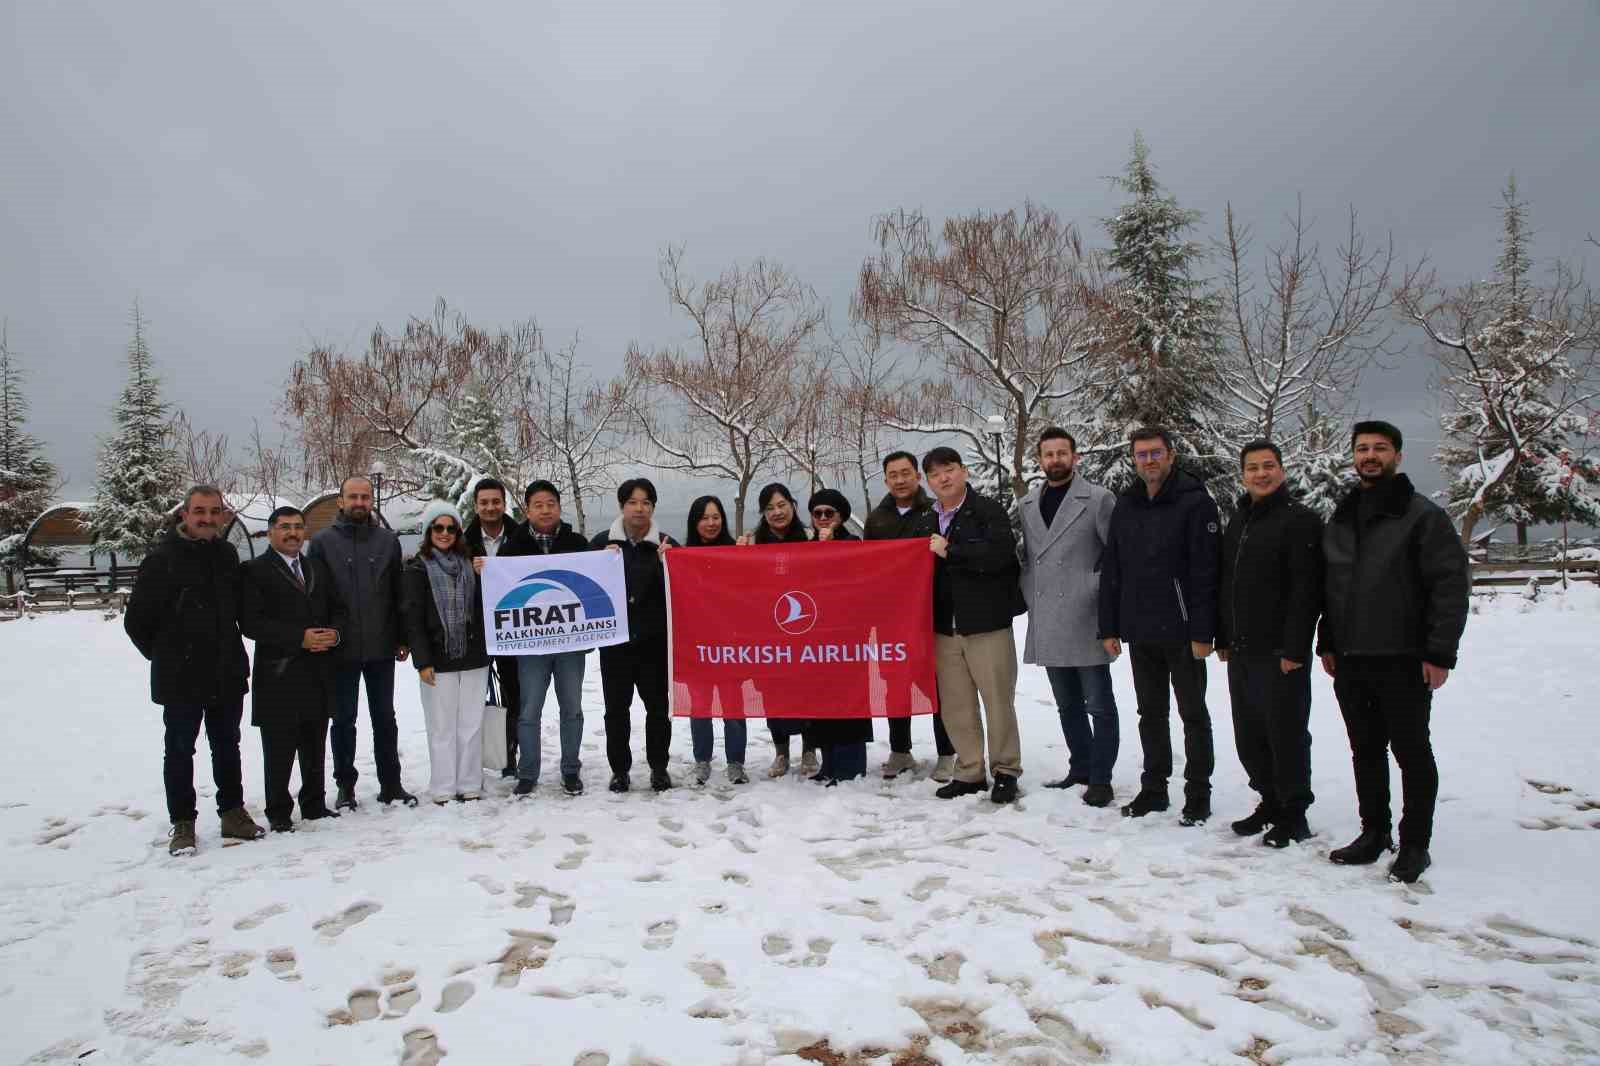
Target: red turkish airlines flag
813	630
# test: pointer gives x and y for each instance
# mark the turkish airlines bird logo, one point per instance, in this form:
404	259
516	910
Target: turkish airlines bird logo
795	613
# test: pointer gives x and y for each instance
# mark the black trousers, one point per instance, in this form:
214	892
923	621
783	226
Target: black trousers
637	665
282	743
510	692
1161	671
1271	710
900	735
1386	705
183	722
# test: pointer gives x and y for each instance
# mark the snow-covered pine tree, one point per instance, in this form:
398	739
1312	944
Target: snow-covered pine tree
475	448
1517	371
1163	322
27	478
140	479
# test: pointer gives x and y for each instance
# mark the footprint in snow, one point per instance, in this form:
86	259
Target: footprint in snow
527	951
236	964
420	1048
255	918
573	860
352	915
281	963
454	996
660	935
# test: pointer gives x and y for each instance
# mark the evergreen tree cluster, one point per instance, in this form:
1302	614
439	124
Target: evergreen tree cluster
27	478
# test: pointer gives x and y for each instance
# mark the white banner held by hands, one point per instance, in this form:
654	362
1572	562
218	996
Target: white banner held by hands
545	604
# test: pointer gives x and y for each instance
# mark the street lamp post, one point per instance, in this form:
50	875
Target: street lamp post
378	470
997	430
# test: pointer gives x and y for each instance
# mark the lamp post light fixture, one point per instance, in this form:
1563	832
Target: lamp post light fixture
997	430
377	472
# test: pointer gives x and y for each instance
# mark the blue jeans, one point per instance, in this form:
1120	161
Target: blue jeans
733	738
1083	694
379	676
534	673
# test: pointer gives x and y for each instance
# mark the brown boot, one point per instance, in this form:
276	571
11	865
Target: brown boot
182	842
238	825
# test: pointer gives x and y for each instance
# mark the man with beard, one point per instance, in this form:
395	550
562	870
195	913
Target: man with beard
896	518
183	616
1397	589
487	536
1158	592
1271	596
364	558
1065	523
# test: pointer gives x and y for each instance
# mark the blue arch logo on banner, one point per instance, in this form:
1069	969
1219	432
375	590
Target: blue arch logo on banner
542	605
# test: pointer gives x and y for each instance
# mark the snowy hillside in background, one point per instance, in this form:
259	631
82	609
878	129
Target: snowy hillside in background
784	922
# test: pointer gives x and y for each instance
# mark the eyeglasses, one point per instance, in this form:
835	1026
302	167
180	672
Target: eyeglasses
824	512
441	527
1150	456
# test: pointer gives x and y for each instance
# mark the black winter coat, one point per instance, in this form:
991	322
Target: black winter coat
1398	585
473	534
647	583
289	683
976	585
521	541
824	732
1158	575
1271	590
183	616
365	562
885	522
425	631
793	533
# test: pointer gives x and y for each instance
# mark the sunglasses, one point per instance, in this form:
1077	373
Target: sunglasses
824	512
441	527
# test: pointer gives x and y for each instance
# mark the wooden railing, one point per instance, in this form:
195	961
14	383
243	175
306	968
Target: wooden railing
1547	572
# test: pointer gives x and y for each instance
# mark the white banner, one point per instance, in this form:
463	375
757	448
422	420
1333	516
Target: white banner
543	604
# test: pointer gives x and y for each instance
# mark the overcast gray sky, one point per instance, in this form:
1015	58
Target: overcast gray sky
268	176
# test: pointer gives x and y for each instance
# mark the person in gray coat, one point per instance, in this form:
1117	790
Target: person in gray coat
1064	527
363	557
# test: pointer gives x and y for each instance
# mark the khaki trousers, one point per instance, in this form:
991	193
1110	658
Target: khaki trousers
983	664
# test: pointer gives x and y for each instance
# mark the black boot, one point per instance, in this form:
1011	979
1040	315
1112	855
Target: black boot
524	788
619	783
1195	812
397	795
1068	781
1291	829
1144	803
1005	789
346	800
1098	795
1409	864
660	780
1364	849
1259	819
960	788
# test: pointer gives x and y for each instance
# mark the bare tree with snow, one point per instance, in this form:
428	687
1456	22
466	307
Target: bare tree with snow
573	422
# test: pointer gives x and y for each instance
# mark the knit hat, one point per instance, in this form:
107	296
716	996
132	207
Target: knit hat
437	509
830	498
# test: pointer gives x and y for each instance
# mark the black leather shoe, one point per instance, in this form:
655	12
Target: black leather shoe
1098	795
619	783
1409	864
659	780
1195	813
346	800
524	788
280	825
1286	831
1005	789
1068	781
312	816
1145	803
399	795
1364	849
1258	820
572	784
960	788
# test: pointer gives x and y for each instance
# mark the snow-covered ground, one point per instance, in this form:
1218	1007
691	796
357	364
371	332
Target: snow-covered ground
780	919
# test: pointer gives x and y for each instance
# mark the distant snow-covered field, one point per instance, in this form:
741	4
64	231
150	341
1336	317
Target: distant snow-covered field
783	922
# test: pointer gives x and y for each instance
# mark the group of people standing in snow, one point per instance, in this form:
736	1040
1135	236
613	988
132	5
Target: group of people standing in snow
1150	572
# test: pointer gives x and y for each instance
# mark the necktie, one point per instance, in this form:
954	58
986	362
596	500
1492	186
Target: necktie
294	568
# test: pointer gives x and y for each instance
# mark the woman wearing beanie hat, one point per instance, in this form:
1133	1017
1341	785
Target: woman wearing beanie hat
843	740
444	622
780	524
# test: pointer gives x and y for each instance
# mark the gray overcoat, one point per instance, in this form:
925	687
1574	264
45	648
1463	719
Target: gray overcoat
1061	577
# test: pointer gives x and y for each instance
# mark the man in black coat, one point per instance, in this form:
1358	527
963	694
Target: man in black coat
1271	595
289	607
183	616
1397	591
975	597
363	556
899	516
641	663
488	534
1158	594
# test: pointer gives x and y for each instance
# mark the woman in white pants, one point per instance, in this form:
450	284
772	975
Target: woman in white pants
444	624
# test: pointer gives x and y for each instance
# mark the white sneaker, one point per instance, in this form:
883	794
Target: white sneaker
702	772
898	763
736	774
808	762
780	765
945	768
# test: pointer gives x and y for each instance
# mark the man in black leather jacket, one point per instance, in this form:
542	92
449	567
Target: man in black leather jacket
1397	591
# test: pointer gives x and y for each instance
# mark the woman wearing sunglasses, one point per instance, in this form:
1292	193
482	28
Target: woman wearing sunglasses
843	741
444	623
708	528
780	524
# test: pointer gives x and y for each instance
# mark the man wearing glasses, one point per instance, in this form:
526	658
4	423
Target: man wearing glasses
1158	593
